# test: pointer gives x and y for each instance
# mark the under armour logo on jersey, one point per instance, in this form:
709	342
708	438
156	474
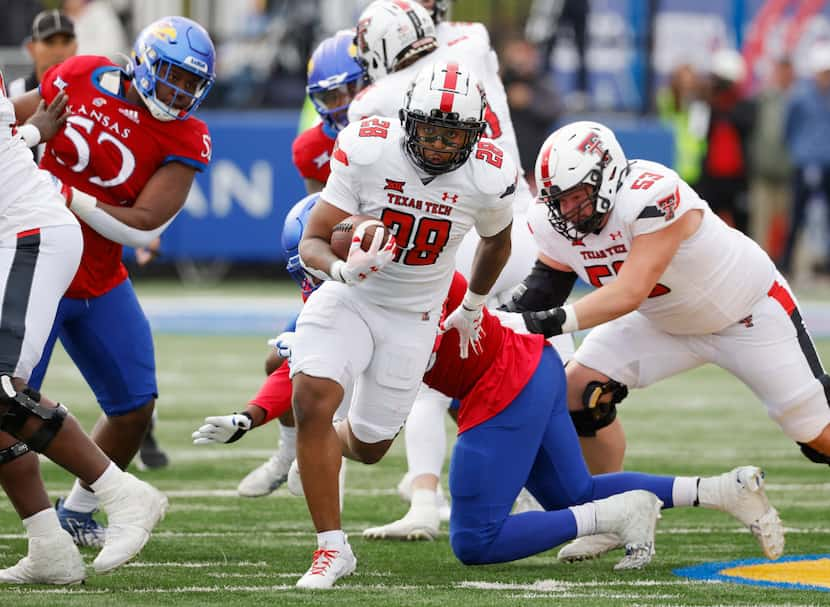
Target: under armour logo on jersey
59	83
129	113
453	198
321	160
394	186
747	321
615	235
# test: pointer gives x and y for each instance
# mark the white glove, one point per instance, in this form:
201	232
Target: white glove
223	429
466	319
282	344
360	264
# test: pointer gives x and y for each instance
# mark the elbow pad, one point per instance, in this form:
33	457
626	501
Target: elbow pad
544	288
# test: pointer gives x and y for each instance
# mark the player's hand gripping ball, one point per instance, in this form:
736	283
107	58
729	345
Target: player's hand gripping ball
341	235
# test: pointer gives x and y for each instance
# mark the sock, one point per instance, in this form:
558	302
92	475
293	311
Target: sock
426	441
684	491
423	499
42	524
80	499
586	518
331	539
288	441
708	492
107	484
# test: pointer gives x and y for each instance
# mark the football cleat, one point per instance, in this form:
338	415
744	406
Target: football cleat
589	547
84	529
740	492
328	565
419	523
133	510
267	477
51	560
633	517
150	455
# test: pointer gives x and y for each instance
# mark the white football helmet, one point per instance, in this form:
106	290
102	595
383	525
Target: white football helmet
576	154
444	103
391	32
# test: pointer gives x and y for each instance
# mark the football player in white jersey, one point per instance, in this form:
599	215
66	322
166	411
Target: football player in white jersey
40	249
394	40
676	289
372	324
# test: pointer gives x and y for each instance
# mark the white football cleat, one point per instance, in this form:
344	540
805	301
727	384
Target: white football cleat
132	513
267	477
632	516
327	566
740	492
589	547
525	502
419	523
52	560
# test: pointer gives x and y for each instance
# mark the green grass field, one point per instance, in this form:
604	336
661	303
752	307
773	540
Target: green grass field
217	549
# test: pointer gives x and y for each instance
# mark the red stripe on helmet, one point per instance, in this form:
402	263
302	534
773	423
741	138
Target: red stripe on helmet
401	4
545	155
450	82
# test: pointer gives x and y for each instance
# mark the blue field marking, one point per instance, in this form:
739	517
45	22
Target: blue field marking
712	572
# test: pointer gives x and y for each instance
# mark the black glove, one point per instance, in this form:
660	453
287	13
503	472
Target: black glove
546	322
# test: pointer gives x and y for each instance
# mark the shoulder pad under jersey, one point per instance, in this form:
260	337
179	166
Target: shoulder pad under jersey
646	192
494	172
362	143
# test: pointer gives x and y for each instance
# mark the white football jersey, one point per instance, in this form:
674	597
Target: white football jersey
711	282
468	44
28	196
371	174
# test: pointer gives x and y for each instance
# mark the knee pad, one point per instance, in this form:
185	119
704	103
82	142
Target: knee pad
595	415
23	405
11	453
814	456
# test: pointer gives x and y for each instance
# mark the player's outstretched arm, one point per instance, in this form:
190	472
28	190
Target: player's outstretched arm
26	104
162	197
223	429
46	120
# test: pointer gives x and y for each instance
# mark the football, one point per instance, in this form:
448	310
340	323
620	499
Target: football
341	234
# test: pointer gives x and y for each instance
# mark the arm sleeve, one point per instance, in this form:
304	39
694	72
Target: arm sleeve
111	228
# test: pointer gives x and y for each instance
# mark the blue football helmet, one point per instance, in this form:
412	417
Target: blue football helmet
164	44
292	233
335	76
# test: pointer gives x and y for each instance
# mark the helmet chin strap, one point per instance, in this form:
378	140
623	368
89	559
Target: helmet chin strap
156	107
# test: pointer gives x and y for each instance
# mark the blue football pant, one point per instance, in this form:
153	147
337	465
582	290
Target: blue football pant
531	443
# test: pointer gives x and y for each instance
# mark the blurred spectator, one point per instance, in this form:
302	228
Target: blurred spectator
807	133
544	26
770	169
723	179
534	102
98	28
52	40
673	105
17	19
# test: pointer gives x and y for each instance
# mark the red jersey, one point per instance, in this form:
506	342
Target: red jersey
486	383
109	149
311	152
